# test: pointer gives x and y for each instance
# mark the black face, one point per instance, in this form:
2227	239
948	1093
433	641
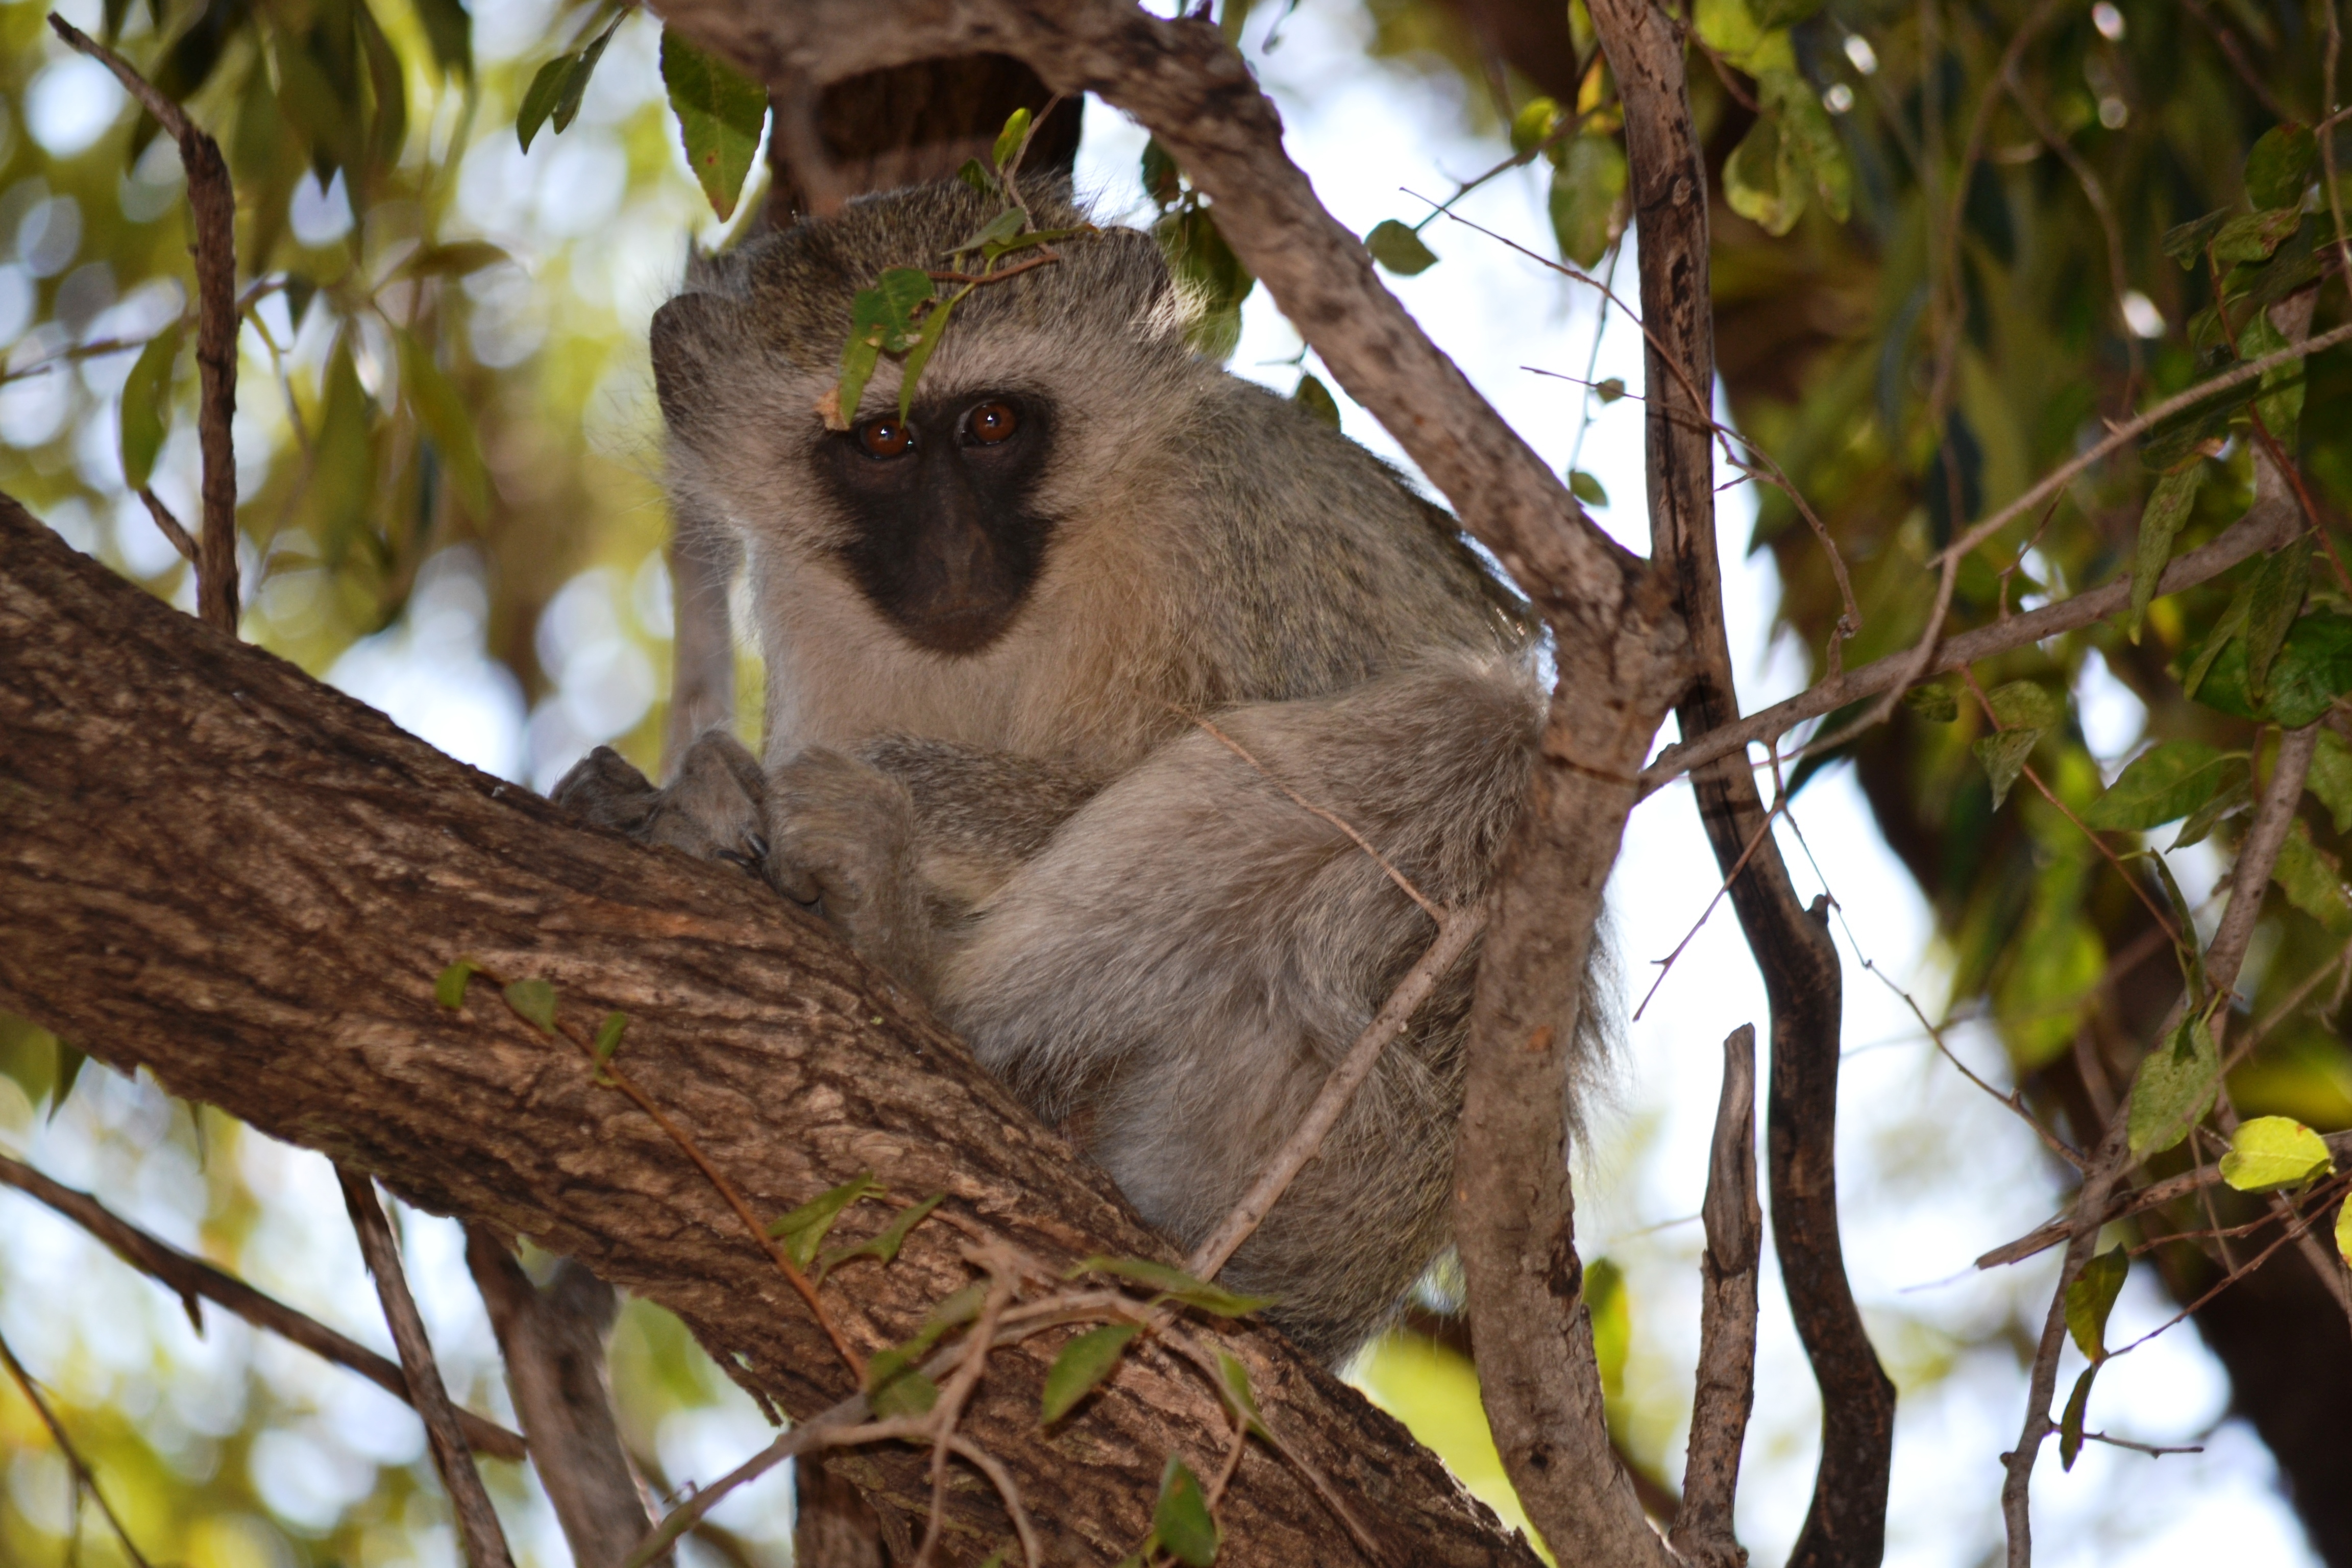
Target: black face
947	540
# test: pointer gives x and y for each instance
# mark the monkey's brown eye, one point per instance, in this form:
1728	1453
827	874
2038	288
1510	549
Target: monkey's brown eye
884	437
992	422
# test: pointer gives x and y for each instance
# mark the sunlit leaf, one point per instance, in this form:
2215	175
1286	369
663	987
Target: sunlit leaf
2313	881
2165	783
1397	247
1009	140
2344	1234
533	1001
1083	1363
1610	1308
884	1247
2173	1089
919	352
1181	1518
1533	123
1759	180
2091	1295
2168	504
1316	399
803	1231
2003	756
608	1036
2281	164
146	400
1233	1384
719	111
2272	1152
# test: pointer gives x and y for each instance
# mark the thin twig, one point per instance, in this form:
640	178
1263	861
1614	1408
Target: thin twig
213	203
1726	1389
85	1480
169	526
192	1278
478	1522
1457	930
1755	842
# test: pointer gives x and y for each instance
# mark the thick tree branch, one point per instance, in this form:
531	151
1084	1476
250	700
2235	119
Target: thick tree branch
1794	952
214	866
192	1278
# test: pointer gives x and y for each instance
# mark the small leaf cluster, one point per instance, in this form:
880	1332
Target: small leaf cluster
1792	156
1204	265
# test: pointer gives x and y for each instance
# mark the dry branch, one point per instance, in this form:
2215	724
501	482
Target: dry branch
190	1278
478	1522
214	866
1726	1352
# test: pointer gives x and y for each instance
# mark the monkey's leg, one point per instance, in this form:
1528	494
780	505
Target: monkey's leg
1195	950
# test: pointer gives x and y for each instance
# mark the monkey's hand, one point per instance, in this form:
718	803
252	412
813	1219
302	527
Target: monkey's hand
713	810
840	840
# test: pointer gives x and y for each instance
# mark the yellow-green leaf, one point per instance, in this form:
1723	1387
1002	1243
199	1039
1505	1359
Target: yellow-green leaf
608	1036
719	115
533	1001
1009	140
1533	123
1233	1383
443	413
803	1230
2070	1426
1397	247
2172	1088
146	399
449	985
1084	1363
1586	190
1612	1309
1175	1285
2272	1151
886	1246
1586	488
2344	1234
2091	1295
1760	179
1316	399
1181	1518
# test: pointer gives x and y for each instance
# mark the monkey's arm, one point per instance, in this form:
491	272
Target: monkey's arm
1173	976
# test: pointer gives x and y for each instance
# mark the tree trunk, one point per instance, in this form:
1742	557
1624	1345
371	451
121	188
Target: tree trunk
216	869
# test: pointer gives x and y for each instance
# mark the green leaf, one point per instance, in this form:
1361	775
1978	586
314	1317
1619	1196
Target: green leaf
1586	488
387	85
533	1001
803	1231
2313	880
2313	669
2330	778
1936	702
1533	123
608	1036
2003	756
1174	1285
575	80
881	321
538	97
1009	140
1212	276
1610	1306
1085	1362
2280	404
2190	957
1233	1383
2252	236
448	31
458	258
2168	504
443	412
1586	189
1809	144
146	399
720	112
919	352
2233	798
2281	164
2272	1152
2070	1428
2026	705
1003	227
2173	1088
886	1246
2091	1295
2344	1234
1316	399
449	985
1610	390
2280	584
1397	247
71	1060
2186	244
907	1393
2166	783
983	185
1759	180
859	358
2232	625
1163	182
1181	1518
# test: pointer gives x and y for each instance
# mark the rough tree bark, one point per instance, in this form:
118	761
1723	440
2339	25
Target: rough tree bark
216	869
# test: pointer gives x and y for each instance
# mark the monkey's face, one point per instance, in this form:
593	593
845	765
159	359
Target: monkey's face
944	536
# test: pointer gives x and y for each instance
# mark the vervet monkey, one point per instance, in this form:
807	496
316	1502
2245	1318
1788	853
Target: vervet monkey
989	629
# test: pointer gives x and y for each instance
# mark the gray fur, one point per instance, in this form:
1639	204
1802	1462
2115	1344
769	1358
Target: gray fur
1137	930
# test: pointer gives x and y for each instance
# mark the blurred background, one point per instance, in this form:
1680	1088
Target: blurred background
449	493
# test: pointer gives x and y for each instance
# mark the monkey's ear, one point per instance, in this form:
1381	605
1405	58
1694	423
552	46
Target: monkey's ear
691	338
